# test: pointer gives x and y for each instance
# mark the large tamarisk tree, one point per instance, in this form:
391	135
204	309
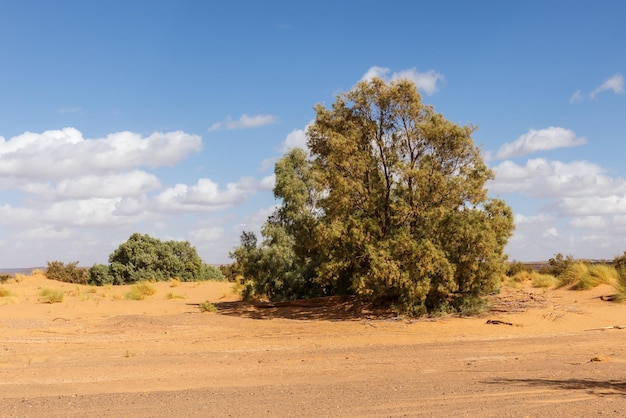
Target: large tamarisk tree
390	204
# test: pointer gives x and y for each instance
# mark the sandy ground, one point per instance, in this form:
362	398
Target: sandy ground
97	354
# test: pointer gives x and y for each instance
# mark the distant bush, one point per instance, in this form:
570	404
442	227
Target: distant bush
68	273
516	267
4	293
557	265
145	258
5	278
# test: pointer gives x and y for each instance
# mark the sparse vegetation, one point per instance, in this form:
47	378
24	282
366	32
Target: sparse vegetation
48	295
207	307
5	278
546	281
140	290
68	273
5	293
172	295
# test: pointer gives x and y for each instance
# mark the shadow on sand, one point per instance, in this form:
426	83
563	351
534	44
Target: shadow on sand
332	308
590	386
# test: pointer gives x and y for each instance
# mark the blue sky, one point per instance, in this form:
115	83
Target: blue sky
165	117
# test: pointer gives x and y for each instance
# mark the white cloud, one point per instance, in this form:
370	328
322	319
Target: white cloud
59	154
577	97
427	82
295	139
206	195
555	179
130	183
244	122
540	140
590	222
614	84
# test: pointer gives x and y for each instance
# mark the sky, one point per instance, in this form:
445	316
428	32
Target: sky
166	117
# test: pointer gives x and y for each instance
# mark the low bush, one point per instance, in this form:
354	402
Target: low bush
546	281
207	307
68	273
5	293
47	295
140	290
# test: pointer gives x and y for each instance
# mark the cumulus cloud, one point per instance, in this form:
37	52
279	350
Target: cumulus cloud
295	139
124	184
544	178
539	140
427	81
614	84
244	122
59	154
206	195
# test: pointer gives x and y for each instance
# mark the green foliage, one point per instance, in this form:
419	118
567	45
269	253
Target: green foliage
516	267
557	265
51	295
389	205
145	258
68	273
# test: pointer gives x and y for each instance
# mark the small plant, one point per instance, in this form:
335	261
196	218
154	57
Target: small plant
174	282
5	293
207	307
48	295
37	272
140	290
172	295
546	281
5	278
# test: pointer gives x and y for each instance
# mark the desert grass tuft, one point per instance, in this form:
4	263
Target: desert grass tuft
5	293
207	307
37	272
573	274
140	290
546	281
48	295
172	295
175	282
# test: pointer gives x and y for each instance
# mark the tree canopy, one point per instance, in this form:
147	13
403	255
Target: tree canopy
389	204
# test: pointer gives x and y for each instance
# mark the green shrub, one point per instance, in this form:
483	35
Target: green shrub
145	258
557	265
516	267
68	273
51	295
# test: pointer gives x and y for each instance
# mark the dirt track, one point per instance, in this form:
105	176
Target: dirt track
161	357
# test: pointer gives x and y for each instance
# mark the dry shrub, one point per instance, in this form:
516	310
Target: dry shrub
5	293
48	295
584	276
546	281
140	290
